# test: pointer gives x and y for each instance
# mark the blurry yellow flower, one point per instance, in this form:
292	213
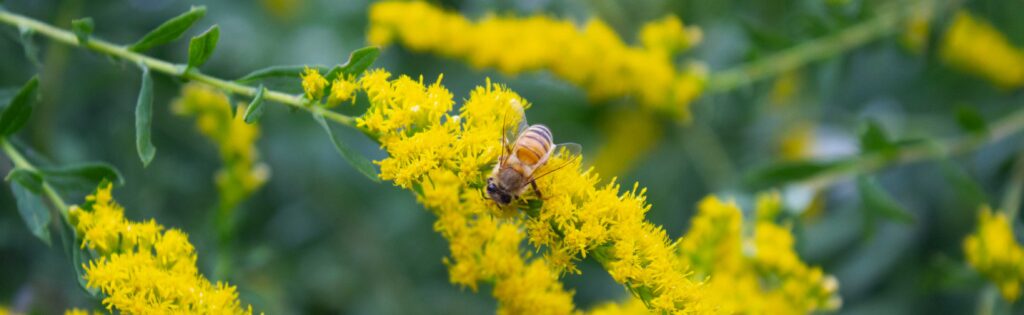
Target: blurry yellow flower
283	10
242	173
785	88
917	29
343	89
142	268
797	141
313	83
593	57
995	253
973	45
629	135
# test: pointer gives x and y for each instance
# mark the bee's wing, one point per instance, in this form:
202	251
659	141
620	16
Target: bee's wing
509	134
569	151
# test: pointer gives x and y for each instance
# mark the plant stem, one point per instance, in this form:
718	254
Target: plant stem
887	21
20	161
176	70
925	150
1014	188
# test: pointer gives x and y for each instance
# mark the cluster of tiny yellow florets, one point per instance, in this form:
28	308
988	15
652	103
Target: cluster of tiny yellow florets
593	57
756	274
242	173
445	159
76	311
314	85
142	268
995	253
974	45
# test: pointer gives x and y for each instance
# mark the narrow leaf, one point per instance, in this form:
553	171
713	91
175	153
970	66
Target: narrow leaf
873	138
784	172
361	163
144	119
170	30
254	111
276	72
878	201
967	189
970	120
91	173
359	60
201	47
19	109
33	211
83	29
26	178
31	51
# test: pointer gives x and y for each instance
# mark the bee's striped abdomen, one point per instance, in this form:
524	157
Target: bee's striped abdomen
533	145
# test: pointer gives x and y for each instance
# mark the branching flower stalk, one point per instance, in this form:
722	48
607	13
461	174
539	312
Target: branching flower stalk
168	68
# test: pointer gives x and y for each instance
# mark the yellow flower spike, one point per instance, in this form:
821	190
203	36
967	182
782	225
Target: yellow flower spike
242	173
994	252
313	83
973	45
593	57
152	270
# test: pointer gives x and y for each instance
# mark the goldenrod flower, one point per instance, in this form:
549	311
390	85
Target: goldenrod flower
143	268
974	45
593	57
313	83
343	89
760	274
242	173
995	253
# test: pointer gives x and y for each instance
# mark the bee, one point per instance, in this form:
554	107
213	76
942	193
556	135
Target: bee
520	159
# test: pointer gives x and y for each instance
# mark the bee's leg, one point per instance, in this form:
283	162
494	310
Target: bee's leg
536	190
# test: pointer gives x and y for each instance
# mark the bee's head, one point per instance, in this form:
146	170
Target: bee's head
498	194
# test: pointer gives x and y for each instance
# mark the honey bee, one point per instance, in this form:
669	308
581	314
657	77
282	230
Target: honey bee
531	150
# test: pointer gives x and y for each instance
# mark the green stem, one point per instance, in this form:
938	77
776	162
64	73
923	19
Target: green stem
887	21
176	70
1014	189
20	161
925	150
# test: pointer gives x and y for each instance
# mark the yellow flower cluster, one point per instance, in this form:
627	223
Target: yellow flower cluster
76	311
974	45
995	253
141	268
242	173
593	57
314	84
757	274
443	158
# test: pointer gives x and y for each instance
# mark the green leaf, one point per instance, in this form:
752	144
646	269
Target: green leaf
33	211
361	163
31	51
877	201
970	120
92	173
77	256
31	180
83	29
144	119
254	111
201	47
19	109
170	30
967	189
359	60
874	139
789	171
276	72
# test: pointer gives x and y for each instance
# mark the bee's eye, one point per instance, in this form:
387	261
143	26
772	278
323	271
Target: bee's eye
491	187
